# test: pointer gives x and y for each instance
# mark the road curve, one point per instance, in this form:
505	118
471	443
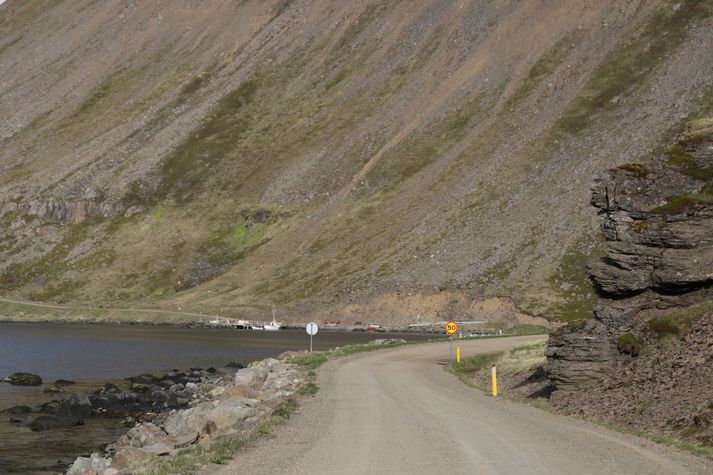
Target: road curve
398	411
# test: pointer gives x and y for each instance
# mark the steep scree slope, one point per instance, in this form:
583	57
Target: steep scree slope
328	157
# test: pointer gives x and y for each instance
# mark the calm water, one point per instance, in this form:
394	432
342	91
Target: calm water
91	354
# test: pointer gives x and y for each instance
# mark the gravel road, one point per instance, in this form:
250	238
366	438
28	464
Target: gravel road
398	411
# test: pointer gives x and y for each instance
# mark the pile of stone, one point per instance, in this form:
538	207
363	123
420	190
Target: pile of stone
215	407
388	341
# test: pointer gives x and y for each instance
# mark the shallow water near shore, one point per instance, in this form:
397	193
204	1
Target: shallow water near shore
93	354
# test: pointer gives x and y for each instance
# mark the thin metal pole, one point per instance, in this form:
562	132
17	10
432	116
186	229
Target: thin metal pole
450	356
310	343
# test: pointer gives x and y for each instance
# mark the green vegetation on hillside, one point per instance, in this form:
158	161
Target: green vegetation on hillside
49	268
680	159
544	67
572	282
378	138
628	66
210	143
20	13
677	322
427	145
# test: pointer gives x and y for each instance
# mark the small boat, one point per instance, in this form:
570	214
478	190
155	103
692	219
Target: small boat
273	325
257	326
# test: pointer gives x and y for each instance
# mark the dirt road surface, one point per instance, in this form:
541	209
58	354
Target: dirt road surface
399	411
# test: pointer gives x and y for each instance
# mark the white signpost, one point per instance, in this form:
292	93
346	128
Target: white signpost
312	330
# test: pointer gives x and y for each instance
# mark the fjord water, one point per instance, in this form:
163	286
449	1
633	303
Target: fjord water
92	354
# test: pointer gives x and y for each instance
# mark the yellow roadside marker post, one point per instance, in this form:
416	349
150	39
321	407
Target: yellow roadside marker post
494	374
458	354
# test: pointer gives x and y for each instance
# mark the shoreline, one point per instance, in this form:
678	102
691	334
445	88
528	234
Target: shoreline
20	311
28	446
385	330
156	405
229	408
202	325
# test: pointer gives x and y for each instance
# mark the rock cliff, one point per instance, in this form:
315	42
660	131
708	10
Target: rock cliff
658	226
63	211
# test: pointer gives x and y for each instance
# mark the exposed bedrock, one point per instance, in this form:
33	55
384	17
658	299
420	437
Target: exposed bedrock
658	226
63	211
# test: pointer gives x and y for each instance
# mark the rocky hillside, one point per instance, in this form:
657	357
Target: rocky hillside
644	359
350	158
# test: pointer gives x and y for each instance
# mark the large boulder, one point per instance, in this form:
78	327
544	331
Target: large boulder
52	389
93	465
66	413
223	416
120	404
77	406
129	459
52	422
145	434
23	379
388	341
252	377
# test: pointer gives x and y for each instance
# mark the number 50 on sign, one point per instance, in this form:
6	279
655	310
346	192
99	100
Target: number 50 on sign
451	328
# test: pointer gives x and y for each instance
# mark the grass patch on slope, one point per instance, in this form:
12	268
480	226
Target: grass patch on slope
544	67
20	13
229	242
206	147
347	46
675	323
316	359
466	370
426	145
571	282
48	269
518	359
684	203
628	66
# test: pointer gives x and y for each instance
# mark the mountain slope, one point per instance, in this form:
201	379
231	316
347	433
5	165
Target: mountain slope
350	159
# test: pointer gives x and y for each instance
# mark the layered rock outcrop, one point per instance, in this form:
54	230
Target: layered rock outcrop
658	226
63	211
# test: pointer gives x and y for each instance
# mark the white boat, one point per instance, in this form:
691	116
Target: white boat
273	325
256	326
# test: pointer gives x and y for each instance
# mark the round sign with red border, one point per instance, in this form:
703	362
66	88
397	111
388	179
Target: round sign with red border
451	328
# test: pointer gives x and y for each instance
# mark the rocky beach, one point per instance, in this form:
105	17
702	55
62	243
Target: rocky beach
165	413
125	372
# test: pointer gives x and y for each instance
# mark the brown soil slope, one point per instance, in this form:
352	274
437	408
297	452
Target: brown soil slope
315	154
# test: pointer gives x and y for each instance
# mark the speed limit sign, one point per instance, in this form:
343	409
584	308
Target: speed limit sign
451	328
